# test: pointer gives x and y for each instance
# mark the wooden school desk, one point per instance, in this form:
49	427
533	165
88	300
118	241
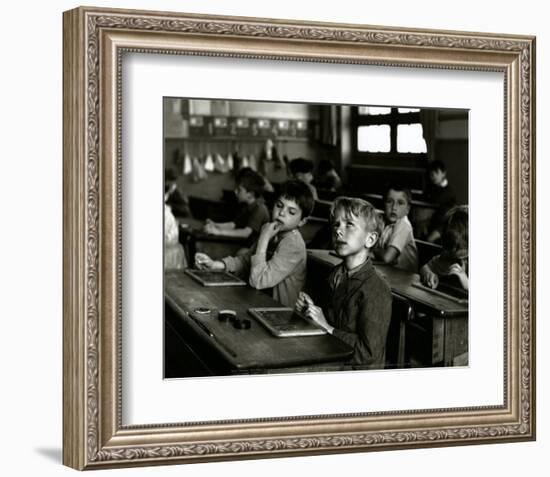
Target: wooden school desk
437	335
219	348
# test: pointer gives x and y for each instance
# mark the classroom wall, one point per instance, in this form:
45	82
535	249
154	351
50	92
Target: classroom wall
179	141
31	240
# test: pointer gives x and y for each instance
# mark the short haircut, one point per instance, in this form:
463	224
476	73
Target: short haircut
397	188
359	208
251	181
436	165
299	193
300	165
325	166
454	235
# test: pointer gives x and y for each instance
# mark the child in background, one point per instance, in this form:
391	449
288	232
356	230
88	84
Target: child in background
360	309
179	204
174	256
396	245
251	216
453	261
278	259
440	193
302	170
328	178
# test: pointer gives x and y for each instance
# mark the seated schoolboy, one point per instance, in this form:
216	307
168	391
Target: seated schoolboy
278	259
302	170
327	177
360	309
251	215
442	194
453	260
396	245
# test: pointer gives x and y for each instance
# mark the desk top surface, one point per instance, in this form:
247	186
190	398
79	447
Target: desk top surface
195	227
255	348
401	282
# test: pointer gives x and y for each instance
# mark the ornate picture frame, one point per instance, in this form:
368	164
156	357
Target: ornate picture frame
94	43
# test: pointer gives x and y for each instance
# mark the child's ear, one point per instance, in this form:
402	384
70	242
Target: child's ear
302	222
370	239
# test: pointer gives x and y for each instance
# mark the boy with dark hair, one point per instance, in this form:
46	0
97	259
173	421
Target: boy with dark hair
440	193
302	170
360	309
252	214
278	259
453	260
396	245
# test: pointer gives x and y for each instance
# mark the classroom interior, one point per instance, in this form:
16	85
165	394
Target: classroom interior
206	143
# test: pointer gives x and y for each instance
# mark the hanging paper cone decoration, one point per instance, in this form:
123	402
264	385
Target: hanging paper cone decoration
229	162
187	165
198	173
219	164
209	163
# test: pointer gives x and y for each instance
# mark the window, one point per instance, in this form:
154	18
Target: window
410	139
373	138
388	135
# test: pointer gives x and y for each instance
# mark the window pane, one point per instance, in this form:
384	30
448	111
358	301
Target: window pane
373	138
409	138
408	110
372	111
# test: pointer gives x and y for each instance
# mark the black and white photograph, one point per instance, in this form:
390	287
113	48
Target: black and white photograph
304	237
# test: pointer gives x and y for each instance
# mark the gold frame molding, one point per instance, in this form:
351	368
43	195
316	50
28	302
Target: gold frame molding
94	42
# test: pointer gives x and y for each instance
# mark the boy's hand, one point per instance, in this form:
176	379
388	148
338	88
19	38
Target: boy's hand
303	302
315	313
457	270
211	228
269	230
428	277
203	261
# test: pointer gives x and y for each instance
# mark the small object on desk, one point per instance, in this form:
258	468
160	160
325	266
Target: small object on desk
202	310
285	322
210	278
225	315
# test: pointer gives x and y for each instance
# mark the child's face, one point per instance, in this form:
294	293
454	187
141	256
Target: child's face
242	194
396	206
306	177
458	256
350	234
287	213
437	176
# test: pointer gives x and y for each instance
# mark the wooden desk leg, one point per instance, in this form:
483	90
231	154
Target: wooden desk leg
401	350
456	341
189	246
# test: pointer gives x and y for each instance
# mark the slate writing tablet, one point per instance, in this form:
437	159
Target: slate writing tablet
446	291
209	278
285	322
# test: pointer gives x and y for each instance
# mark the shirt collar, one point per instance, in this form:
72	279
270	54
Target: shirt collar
361	272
